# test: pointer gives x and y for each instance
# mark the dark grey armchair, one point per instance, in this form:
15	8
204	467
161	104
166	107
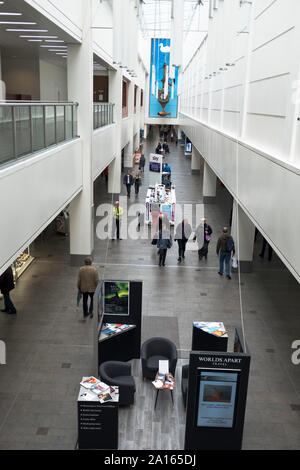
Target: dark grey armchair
155	350
184	382
119	373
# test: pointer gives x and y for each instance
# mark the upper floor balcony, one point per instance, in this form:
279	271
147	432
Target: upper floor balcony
27	127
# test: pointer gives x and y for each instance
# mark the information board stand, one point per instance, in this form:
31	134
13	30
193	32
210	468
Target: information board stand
97	423
209	336
216	401
125	345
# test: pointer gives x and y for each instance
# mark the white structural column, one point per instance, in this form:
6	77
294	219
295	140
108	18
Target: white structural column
196	160
243	233
129	150
209	185
115	96
80	89
2	84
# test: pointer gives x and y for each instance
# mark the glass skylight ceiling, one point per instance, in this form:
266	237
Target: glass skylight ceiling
155	17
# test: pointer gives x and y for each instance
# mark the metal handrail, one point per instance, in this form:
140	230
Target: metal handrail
38	103
19	131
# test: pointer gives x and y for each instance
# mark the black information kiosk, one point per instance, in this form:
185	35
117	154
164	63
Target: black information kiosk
216	401
97	422
119	320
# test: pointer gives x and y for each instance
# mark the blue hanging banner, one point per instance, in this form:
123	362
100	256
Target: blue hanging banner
163	101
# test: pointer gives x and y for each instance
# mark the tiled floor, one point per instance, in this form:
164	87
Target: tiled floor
49	348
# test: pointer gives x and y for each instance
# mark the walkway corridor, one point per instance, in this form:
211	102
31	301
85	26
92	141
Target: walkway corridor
49	347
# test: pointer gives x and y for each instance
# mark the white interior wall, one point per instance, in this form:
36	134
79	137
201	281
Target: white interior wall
21	76
53	82
28	202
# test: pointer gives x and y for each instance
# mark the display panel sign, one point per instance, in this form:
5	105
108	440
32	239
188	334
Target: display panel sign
116	298
154	166
164	81
216	399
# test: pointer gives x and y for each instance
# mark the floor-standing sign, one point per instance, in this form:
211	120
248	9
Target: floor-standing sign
155	169
216	401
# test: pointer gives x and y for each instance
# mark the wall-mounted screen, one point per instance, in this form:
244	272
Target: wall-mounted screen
188	147
216	399
163	101
116	297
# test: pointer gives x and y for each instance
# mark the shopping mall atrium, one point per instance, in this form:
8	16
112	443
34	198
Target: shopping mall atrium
149	255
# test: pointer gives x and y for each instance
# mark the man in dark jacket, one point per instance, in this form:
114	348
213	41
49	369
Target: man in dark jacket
6	285
183	233
225	248
142	163
128	181
164	242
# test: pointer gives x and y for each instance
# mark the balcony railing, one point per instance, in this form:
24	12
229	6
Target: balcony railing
30	126
103	114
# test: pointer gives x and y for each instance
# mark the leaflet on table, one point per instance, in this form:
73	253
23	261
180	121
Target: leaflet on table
114	328
215	328
158	383
100	387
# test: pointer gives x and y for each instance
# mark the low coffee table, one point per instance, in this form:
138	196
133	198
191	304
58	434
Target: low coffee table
167	384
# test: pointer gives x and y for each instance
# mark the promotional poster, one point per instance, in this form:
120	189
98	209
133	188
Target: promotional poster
116	298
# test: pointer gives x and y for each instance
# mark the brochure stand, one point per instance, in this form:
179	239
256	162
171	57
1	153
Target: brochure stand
216	401
124	345
209	336
97	422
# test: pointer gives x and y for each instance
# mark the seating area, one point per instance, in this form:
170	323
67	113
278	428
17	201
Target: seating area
119	373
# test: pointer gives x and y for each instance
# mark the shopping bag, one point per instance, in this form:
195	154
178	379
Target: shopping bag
79	295
234	262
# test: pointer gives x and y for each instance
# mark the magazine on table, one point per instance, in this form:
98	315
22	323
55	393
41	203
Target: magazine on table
90	382
104	397
100	387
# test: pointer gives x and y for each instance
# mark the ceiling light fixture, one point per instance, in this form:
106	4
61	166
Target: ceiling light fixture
37	37
17	22
54	45
29	30
10	14
58	40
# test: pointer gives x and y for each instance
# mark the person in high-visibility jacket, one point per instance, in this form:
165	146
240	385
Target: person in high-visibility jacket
117	213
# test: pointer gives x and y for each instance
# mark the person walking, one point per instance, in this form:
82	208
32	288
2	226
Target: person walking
164	242
6	286
225	249
182	234
88	280
128	181
137	182
142	163
203	236
117	215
